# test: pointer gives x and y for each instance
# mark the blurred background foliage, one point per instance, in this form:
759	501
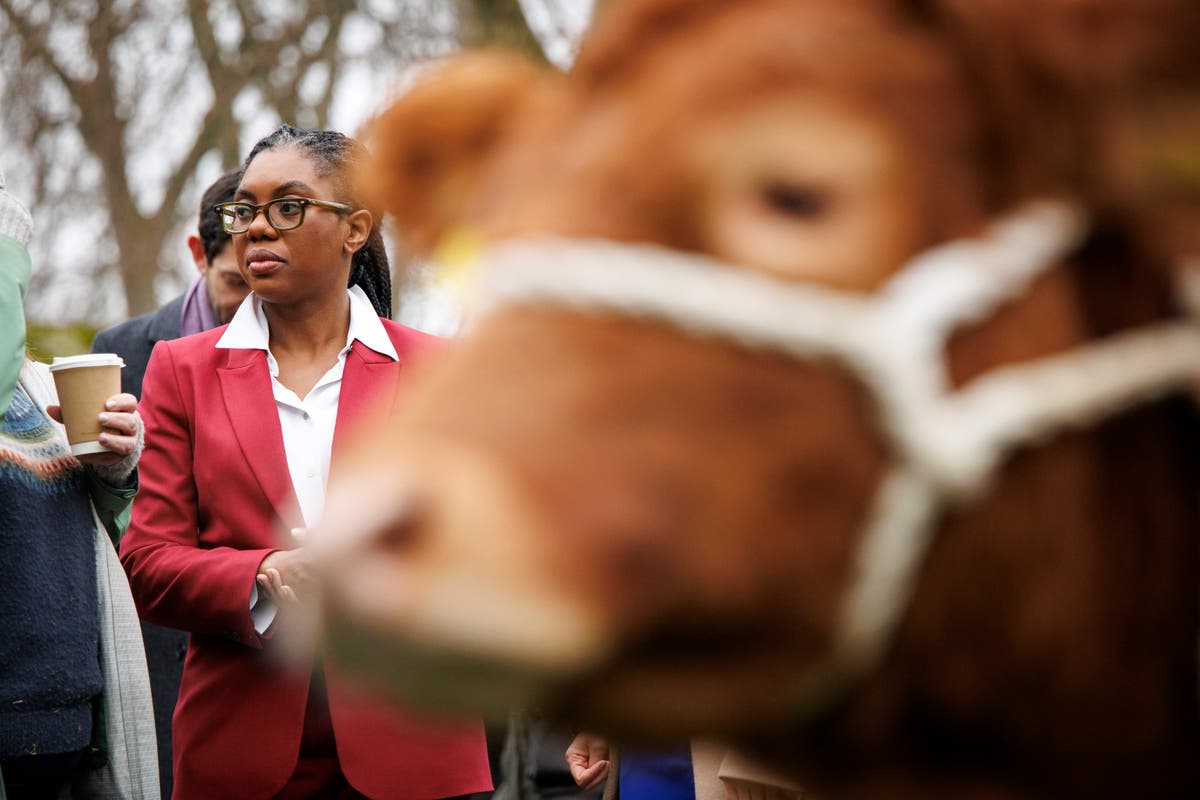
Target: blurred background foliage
46	341
116	114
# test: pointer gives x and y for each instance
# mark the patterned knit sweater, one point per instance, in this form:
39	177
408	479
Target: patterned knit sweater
49	664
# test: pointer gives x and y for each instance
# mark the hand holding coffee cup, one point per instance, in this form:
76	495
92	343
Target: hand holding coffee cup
119	426
102	422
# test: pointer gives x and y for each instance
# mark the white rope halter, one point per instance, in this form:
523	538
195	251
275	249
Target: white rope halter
948	443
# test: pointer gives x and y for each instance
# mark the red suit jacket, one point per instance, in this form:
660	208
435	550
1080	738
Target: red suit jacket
216	497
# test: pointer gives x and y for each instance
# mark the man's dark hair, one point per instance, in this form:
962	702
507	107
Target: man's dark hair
212	235
336	156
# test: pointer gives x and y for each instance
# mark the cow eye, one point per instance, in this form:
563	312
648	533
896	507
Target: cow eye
803	202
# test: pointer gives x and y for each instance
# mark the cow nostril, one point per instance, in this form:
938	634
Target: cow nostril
405	529
401	535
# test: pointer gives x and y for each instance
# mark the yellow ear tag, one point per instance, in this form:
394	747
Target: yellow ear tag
456	262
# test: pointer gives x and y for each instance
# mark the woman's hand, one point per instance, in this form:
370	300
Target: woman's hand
271	586
587	756
284	576
120	430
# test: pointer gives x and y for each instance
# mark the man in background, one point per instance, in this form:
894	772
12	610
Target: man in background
211	300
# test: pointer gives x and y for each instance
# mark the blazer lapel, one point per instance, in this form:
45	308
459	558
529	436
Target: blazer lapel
369	382
250	403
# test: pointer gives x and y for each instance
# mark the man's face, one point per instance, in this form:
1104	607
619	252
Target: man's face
226	289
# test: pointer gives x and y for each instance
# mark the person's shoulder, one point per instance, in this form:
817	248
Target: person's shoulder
196	353
122	331
161	323
193	344
191	360
411	339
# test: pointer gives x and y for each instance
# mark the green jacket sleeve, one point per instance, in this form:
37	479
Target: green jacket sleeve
112	504
14	280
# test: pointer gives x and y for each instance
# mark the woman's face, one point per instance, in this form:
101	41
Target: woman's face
304	263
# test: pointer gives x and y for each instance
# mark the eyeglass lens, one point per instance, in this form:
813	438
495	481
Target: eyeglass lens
283	214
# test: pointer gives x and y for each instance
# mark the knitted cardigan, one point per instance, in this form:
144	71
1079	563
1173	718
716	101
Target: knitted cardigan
126	733
49	604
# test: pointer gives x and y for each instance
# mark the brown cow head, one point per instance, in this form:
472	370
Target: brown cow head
654	526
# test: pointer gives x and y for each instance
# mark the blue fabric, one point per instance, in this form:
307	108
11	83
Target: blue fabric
49	650
656	776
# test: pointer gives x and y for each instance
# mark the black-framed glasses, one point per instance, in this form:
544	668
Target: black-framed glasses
283	213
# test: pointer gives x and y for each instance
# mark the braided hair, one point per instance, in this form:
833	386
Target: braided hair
337	156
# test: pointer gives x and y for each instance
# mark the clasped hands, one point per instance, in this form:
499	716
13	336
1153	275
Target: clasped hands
284	575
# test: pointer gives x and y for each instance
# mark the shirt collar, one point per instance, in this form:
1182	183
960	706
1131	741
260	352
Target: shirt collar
248	330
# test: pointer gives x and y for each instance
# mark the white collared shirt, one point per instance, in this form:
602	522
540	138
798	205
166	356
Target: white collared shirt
307	423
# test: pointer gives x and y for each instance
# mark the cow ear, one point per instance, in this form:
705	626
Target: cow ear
433	144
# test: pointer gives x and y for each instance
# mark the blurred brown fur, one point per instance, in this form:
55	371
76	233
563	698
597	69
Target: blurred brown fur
704	502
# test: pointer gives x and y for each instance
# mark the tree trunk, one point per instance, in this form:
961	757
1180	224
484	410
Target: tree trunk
140	244
502	23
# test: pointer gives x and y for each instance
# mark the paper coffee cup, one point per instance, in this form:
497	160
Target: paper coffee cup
83	384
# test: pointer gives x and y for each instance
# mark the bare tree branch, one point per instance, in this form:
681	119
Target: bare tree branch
35	40
206	39
83	95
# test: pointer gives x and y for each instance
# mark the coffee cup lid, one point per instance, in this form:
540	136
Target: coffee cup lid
87	360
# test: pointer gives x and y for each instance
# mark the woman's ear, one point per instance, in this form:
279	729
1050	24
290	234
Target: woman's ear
430	148
360	222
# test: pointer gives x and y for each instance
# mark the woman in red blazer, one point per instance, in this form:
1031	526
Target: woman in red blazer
239	423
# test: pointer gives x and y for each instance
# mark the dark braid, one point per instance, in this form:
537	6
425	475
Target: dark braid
337	156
